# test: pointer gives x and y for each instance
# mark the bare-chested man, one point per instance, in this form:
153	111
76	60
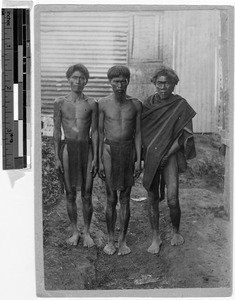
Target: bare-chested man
119	145
76	156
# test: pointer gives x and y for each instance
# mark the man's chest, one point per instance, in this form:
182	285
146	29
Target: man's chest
76	110
120	113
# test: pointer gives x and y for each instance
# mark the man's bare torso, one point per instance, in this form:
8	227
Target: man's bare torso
76	117
119	118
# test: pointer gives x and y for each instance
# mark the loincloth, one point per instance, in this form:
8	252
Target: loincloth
77	157
122	164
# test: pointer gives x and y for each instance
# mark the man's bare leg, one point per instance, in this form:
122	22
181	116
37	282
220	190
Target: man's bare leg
72	213
87	215
111	217
87	210
175	214
87	207
154	222
111	211
124	215
171	177
71	202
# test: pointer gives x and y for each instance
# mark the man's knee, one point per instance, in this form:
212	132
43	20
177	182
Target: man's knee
153	198
109	191
124	200
71	197
125	195
172	190
173	202
112	199
86	194
86	191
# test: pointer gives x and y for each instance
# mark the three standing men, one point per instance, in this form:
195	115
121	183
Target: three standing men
167	140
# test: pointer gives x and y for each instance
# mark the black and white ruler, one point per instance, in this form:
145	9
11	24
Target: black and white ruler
15	88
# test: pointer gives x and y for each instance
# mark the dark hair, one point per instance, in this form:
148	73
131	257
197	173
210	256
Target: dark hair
78	67
165	71
116	71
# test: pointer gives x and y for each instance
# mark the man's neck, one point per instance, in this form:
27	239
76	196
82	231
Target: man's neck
76	96
164	99
120	98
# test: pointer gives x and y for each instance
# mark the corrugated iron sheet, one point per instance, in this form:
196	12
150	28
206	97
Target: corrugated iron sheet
186	40
98	40
193	36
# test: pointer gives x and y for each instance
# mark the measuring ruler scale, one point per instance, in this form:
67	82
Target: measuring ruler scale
15	88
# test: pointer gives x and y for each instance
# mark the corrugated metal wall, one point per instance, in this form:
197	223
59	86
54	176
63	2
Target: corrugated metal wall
191	40
186	40
96	39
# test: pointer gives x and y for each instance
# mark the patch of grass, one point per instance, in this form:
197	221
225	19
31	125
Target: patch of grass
209	163
50	184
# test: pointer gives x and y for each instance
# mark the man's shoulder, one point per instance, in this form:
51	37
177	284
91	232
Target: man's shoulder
177	97
91	100
182	101
152	100
104	100
134	99
60	99
149	102
136	102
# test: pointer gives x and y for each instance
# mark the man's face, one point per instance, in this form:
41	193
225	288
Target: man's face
164	87
77	82
119	84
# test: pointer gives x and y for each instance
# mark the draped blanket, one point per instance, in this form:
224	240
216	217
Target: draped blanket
162	123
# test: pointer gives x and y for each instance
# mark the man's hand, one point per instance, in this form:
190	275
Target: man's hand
58	166
164	161
137	170
94	168
101	171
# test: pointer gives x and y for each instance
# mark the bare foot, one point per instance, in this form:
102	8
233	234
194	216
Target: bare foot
110	249
74	239
155	246
123	249
177	239
88	241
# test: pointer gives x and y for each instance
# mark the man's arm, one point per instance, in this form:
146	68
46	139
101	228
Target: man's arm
179	142
174	148
101	141
94	137
57	134
138	140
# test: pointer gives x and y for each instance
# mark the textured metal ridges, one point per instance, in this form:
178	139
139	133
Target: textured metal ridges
98	40
186	40
193	36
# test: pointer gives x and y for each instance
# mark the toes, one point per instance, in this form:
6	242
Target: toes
154	251
155	248
110	250
177	240
124	250
73	241
88	244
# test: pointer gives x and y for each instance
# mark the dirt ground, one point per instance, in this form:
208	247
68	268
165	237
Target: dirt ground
203	261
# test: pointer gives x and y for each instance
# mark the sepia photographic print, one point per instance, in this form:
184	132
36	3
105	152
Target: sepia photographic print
134	150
